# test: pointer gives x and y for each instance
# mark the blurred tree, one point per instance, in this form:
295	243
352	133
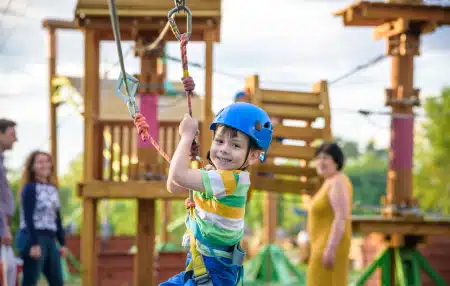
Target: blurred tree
432	155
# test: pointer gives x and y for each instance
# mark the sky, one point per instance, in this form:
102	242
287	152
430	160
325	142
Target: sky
290	44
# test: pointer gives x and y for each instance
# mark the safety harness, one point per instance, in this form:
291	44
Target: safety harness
196	268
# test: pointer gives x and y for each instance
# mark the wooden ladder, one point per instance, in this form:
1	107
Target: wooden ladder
292	114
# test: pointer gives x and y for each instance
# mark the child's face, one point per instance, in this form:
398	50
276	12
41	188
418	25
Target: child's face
229	148
42	166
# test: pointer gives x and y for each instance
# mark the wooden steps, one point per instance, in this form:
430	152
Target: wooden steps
293	142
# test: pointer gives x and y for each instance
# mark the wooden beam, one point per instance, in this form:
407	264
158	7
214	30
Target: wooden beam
287	170
53	118
290	97
165	215
93	12
321	87
59	24
390	29
299	133
270	219
377	13
282	186
145	242
148	6
89	252
127	190
412	12
396	225
292	112
152	26
207	101
91	102
289	151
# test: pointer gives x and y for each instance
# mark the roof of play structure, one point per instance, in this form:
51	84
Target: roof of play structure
201	8
150	16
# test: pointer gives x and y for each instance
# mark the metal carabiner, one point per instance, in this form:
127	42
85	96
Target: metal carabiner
173	25
130	98
180	3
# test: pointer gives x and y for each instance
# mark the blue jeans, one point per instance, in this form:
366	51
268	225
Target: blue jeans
219	274
49	263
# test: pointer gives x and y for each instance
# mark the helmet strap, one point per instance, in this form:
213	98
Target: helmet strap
245	165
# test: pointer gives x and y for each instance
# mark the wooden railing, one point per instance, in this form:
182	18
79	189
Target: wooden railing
121	156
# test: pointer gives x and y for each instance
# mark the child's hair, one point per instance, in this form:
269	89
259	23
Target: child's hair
28	175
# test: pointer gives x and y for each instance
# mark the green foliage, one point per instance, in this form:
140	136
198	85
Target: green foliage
349	148
368	174
432	156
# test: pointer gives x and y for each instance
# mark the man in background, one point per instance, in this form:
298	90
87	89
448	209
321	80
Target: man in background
7	203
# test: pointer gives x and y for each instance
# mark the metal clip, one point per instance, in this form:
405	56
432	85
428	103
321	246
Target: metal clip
130	98
180	3
173	25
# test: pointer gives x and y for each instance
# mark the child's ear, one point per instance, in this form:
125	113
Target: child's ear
253	157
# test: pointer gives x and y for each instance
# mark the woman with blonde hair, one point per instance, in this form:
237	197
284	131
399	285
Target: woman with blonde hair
40	223
329	221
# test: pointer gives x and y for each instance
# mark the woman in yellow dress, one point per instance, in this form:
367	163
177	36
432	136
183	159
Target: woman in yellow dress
329	221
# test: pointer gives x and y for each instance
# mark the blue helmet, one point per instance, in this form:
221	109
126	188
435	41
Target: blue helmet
249	119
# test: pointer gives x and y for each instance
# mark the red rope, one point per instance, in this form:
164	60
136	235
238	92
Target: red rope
141	123
142	127
189	87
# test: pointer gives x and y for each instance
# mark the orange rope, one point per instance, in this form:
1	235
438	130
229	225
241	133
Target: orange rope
142	127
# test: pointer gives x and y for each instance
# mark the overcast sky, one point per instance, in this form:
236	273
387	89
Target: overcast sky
290	43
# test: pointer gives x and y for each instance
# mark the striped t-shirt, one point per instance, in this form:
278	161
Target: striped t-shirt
220	210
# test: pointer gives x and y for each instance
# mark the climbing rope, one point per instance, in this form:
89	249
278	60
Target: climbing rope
130	96
184	39
154	45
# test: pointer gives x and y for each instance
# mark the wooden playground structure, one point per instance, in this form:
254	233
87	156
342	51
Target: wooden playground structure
122	175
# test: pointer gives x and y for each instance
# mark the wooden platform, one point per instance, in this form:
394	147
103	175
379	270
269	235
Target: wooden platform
401	226
127	190
376	13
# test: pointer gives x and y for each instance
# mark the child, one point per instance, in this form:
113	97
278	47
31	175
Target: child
242	133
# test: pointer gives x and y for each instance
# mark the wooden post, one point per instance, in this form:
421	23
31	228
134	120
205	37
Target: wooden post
92	104
145	235
165	204
269	198
321	87
148	78
91	156
145	242
53	117
165	215
401	98
89	264
206	137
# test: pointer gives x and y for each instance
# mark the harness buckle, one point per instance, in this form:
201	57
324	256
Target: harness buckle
202	279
